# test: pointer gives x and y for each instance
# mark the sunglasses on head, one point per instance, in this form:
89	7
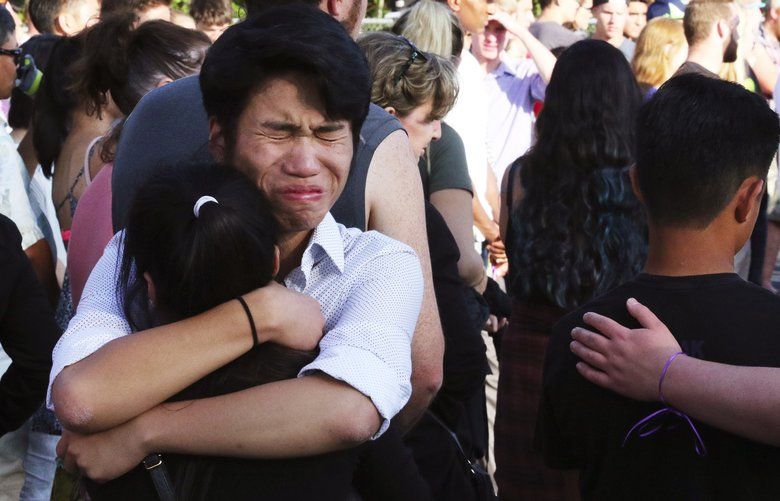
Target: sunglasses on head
14	53
415	55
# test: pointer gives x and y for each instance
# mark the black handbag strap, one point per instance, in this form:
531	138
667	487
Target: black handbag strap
474	468
160	478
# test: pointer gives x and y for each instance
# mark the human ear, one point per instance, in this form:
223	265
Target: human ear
391	110
216	140
454	5
748	199
722	28
62	25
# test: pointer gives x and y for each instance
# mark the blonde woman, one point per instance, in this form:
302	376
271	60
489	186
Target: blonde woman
660	50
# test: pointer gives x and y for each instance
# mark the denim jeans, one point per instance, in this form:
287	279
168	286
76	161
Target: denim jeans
39	466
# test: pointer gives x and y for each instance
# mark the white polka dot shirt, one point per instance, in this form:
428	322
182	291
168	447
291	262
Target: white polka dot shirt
369	287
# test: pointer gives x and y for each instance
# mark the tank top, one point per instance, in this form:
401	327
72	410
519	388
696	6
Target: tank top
350	208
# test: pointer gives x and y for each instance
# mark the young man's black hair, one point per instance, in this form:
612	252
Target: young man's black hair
43	13
690	164
320	48
704	147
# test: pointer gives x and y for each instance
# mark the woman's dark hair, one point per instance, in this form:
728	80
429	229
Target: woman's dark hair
21	111
43	13
54	102
292	38
129	62
579	229
197	263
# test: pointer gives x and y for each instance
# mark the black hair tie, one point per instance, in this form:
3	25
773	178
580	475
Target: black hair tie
251	320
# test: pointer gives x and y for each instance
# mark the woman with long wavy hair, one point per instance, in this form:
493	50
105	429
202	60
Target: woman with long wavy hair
573	230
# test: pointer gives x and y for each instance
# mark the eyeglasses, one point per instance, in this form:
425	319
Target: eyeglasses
14	53
416	54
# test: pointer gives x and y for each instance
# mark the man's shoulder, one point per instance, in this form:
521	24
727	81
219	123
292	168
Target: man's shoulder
171	117
371	243
362	247
183	93
378	125
611	304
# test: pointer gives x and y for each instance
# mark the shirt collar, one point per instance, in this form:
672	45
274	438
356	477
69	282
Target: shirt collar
505	69
325	242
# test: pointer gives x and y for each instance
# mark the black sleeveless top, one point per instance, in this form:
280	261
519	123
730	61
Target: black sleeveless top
350	208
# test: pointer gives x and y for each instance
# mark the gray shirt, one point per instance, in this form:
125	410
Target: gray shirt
627	48
553	35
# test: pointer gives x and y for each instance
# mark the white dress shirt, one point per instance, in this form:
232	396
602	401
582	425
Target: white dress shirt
370	290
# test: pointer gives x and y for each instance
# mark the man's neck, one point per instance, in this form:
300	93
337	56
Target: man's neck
291	248
614	41
680	252
551	15
710	58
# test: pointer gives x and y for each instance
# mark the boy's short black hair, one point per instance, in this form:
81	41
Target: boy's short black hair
293	38
7	25
698	139
43	13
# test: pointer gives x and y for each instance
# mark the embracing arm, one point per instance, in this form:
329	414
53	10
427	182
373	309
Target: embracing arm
304	422
394	199
348	394
741	400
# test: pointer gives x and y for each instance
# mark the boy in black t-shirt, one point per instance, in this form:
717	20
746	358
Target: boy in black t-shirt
704	147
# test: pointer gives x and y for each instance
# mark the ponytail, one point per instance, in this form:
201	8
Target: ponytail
103	67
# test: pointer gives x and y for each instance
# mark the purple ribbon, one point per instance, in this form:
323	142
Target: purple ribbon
649	425
653	423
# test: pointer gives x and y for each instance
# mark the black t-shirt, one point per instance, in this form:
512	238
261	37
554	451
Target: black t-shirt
720	318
